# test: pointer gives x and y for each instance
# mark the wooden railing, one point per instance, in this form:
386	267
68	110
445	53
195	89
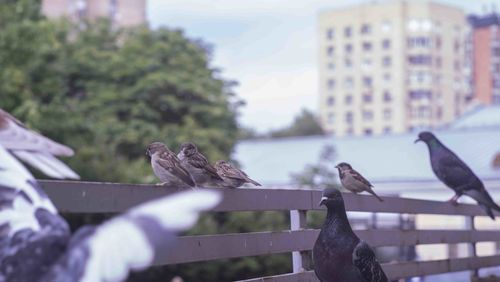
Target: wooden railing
86	197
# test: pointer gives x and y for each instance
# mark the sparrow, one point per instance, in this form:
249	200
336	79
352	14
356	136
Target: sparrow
353	181
455	174
37	244
167	167
338	254
33	148
203	173
232	176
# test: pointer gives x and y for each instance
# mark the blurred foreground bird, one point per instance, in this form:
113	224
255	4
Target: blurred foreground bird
203	173
167	167
455	174
37	244
33	148
232	176
353	181
338	254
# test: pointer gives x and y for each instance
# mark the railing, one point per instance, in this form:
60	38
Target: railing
86	197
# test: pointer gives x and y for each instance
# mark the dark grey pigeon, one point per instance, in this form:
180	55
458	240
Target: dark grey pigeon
338	254
454	173
36	244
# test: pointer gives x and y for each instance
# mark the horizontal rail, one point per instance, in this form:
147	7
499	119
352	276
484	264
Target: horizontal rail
93	197
221	246
401	270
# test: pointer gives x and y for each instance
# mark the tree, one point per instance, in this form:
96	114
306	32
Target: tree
304	124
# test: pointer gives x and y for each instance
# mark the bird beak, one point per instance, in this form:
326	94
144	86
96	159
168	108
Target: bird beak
418	140
322	201
336	166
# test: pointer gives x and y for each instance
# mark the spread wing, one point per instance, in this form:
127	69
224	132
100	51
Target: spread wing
199	161
105	254
356	175
33	148
171	163
365	261
30	227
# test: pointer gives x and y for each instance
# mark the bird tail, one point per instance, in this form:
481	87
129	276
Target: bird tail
373	193
488	211
253	182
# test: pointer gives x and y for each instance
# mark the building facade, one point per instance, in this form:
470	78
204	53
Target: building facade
485	38
122	13
391	67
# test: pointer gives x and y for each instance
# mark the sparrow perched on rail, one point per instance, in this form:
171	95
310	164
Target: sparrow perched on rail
167	167
338	254
203	173
455	174
353	181
232	176
33	148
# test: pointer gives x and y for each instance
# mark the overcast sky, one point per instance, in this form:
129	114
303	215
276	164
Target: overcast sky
268	46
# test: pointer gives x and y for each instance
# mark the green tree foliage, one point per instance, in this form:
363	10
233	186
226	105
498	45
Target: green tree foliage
304	124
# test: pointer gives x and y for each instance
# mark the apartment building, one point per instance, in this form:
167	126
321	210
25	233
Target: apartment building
485	41
122	13
391	67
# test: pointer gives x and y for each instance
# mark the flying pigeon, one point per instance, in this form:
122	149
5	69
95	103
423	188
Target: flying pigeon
33	148
36	243
232	176
203	173
455	174
354	181
167	167
338	254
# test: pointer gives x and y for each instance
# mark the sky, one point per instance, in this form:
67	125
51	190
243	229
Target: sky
268	46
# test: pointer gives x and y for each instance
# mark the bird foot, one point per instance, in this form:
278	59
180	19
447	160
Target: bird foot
453	201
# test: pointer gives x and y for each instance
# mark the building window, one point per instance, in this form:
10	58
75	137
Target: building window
366	29
350	131
386	26
387	77
367	98
386	44
424	60
387	96
330	50
386	61
330	101
348	63
348	82
330	33
367	115
438	42
368	132
387	114
387	130
367	81
348	99
439	112
367	46
331	83
418	41
456	45
439	62
420	94
366	64
349	117
347	31
423	112
331	66
331	118
348	48
456	65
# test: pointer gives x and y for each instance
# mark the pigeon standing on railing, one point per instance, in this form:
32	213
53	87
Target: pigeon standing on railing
354	181
203	173
454	173
36	243
338	254
33	148
167	167
233	177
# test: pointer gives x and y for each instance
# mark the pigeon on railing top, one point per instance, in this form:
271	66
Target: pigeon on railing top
37	245
33	148
338	254
455	174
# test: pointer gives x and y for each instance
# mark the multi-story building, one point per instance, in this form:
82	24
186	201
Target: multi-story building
122	13
390	67
485	39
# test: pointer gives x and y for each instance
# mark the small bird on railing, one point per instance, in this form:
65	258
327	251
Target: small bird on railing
33	148
167	167
455	174
338	254
233	177
37	244
354	181
203	173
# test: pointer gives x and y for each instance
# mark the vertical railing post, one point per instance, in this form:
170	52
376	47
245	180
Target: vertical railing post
469	225
300	260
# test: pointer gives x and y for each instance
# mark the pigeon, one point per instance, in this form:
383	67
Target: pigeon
37	245
203	173
455	174
167	167
338	254
232	176
33	148
353	181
